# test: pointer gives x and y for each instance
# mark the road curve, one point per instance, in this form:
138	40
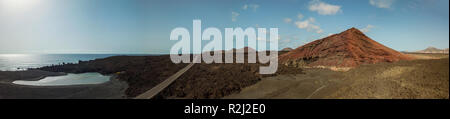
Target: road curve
158	88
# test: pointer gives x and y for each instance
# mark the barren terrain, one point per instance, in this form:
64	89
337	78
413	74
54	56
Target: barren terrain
415	79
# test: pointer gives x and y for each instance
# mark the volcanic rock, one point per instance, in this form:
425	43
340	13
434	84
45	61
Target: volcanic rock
350	48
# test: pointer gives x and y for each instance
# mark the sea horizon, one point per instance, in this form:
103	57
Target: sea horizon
20	62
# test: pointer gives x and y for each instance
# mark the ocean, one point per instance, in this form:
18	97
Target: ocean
16	62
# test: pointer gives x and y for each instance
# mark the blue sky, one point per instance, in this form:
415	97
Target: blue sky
144	26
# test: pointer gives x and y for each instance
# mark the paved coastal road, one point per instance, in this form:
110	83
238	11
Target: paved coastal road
158	88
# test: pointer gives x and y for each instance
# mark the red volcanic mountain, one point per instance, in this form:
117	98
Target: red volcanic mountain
347	49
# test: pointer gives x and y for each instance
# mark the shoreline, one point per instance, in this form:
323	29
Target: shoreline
114	66
112	77
142	73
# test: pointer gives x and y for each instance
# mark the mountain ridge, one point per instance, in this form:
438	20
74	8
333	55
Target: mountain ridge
349	48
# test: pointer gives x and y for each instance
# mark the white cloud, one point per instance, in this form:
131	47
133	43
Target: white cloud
300	16
382	3
251	6
309	25
367	28
287	20
302	24
245	7
311	19
234	16
324	8
254	6
313	27
319	31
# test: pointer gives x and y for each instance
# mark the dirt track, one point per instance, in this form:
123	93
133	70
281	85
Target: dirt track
161	86
315	83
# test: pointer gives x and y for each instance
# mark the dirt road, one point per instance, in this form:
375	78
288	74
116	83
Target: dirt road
158	88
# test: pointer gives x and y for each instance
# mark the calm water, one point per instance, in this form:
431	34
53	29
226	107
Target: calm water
69	79
14	62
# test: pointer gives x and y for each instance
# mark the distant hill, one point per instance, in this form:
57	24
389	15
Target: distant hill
242	50
433	50
287	49
346	49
